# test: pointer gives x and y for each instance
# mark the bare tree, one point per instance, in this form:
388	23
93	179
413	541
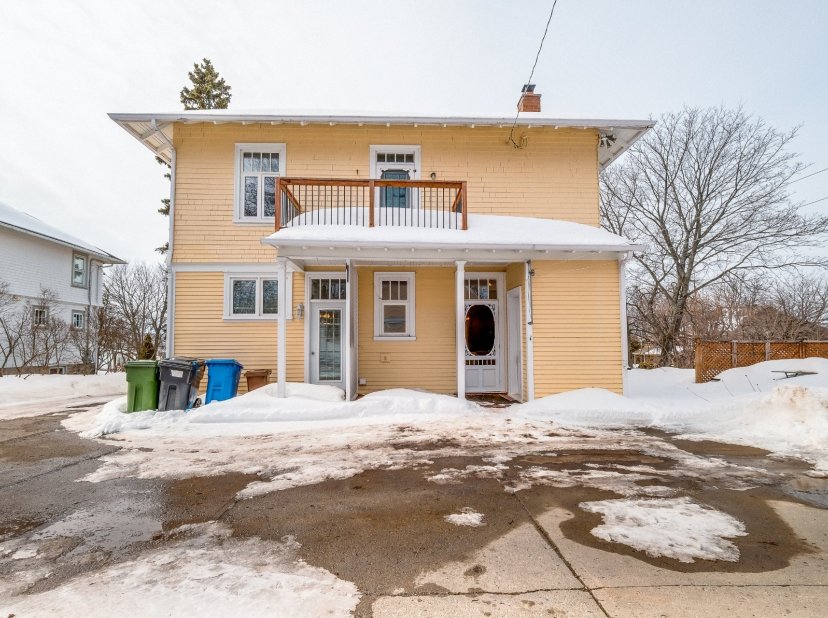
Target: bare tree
135	296
706	192
8	330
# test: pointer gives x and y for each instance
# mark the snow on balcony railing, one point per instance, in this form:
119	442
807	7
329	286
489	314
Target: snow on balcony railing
370	203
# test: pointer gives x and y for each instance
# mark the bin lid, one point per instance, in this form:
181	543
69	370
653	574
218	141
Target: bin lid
142	363
258	372
223	361
180	362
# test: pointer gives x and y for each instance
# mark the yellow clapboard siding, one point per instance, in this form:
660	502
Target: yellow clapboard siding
201	330
577	326
430	362
555	176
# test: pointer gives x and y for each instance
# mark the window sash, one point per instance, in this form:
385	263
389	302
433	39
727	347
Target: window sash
40	316
394	306
258	168
78	270
252	297
78	319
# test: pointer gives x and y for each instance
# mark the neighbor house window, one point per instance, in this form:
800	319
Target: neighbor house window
78	320
257	168
252	296
79	270
394	305
40	316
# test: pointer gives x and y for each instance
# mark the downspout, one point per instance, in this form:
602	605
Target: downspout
530	336
98	284
170	268
625	345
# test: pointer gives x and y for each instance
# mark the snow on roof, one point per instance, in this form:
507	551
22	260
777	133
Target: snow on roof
26	223
485	232
154	130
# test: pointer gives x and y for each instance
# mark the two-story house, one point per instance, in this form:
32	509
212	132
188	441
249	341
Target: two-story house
36	257
453	254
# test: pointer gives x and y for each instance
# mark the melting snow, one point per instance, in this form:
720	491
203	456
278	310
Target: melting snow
673	528
466	517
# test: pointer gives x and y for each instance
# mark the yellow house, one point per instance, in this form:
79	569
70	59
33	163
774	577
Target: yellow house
457	255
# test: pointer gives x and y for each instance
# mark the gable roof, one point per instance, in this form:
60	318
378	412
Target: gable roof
154	130
20	221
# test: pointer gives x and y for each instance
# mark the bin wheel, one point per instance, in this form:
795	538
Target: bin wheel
197	402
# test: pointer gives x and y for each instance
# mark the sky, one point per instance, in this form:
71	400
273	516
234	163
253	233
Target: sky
65	64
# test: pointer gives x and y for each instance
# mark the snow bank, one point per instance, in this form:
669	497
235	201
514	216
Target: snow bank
206	573
590	406
261	411
19	395
675	528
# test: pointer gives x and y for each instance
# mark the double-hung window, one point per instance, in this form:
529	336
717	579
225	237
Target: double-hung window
40	316
79	271
257	168
252	297
78	320
394	305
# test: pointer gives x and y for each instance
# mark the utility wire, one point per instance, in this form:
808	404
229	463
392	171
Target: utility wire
809	175
531	74
822	199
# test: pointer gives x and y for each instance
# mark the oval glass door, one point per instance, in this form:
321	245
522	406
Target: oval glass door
480	330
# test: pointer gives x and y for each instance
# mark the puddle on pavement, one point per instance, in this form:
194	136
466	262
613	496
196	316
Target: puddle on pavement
594	456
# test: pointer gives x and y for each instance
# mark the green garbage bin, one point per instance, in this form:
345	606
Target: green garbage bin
142	385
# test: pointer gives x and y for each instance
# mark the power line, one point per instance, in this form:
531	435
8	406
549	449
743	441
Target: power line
822	199
531	74
809	175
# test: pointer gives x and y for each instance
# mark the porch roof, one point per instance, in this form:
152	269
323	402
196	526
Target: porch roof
491	235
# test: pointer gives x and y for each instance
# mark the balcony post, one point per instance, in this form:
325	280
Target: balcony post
277	207
465	203
281	330
370	203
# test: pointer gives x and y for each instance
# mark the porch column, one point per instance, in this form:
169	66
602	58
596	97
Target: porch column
281	344
346	336
460	334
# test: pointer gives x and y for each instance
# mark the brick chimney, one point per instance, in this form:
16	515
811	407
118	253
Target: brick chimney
529	101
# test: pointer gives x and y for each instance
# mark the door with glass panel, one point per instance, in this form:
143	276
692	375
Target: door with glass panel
395	203
484	366
327	329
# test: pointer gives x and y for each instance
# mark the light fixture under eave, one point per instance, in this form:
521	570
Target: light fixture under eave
606	140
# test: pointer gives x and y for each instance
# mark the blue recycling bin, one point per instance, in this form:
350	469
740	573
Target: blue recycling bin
222	378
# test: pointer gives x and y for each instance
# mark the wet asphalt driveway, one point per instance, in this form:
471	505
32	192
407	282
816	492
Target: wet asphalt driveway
385	531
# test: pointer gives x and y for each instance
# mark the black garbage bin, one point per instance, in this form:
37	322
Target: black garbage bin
180	378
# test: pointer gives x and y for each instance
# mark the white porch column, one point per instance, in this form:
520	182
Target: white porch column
460	334
281	343
346	336
625	344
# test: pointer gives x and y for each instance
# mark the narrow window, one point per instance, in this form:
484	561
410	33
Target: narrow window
78	320
258	165
270	296
40	316
244	297
394	306
78	270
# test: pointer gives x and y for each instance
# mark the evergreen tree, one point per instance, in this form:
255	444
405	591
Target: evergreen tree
147	350
209	90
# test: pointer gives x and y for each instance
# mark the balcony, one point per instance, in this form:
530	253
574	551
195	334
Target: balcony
371	203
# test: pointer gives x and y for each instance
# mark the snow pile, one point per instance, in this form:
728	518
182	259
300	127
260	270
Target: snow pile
16	391
587	406
466	517
675	528
204	572
261	411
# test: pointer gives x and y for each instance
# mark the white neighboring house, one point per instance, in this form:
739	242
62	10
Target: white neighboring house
35	256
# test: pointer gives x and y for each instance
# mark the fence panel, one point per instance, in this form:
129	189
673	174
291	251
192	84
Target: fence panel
713	357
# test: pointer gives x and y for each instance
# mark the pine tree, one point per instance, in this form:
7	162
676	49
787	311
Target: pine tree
147	351
209	90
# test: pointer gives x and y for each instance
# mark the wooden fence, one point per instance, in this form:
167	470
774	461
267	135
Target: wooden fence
713	357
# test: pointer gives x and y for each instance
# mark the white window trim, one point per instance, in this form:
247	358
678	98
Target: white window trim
83	319
85	284
45	310
229	277
281	148
410	317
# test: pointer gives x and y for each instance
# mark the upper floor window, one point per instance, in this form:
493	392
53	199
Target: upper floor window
40	316
79	271
257	167
395	163
78	320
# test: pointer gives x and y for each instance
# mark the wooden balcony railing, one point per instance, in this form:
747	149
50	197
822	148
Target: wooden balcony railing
371	203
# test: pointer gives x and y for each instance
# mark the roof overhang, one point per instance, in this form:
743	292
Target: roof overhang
99	255
155	130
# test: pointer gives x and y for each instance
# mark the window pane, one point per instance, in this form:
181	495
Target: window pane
269	196
325	288
393	319
409	158
395	290
251	195
244	296
403	290
257	162
274	161
247	162
265	161
270	296
484	289
315	289
493	288
386	290
334	289
380	158
473	293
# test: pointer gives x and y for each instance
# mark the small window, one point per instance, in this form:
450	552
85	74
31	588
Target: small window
78	320
253	296
78	270
40	316
258	166
481	289
327	289
394	305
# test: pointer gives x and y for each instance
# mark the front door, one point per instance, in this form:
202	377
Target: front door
327	360
484	365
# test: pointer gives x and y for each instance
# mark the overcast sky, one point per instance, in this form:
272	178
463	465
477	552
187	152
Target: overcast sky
65	64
